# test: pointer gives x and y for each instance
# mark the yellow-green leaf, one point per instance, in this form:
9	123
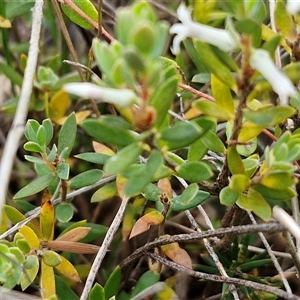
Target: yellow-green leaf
68	270
255	202
47	221
47	281
284	21
235	162
58	106
222	95
30	237
30	273
278	181
211	109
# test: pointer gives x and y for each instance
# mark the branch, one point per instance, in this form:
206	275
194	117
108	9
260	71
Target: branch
17	129
223	279
267	227
104	248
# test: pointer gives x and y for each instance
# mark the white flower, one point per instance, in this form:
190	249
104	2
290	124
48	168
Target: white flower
261	61
293	6
221	38
119	97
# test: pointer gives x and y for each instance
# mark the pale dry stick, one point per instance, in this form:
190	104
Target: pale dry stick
17	129
36	212
79	65
223	279
104	248
273	27
272	255
287	221
208	246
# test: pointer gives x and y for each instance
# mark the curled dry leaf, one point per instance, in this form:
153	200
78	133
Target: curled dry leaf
143	224
177	254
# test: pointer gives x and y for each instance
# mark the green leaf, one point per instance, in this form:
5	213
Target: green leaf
194	171
11	74
63	170
85	6
180	135
41	136
96	158
151	192
190	198
86	178
64	212
228	197
113	283
63	291
104	131
269	116
35	186
249	27
143	37
123	159
106	54
272	194
138	179
33	147
133	59
154	161
213	142
97	292
19	9
67	135
165	91
145	281
31	129
250	165
213	64
250	265
106	192
47	124
197	150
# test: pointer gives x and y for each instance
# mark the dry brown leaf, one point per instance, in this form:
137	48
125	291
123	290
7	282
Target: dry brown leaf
177	254
165	185
73	247
75	234
143	224
100	148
